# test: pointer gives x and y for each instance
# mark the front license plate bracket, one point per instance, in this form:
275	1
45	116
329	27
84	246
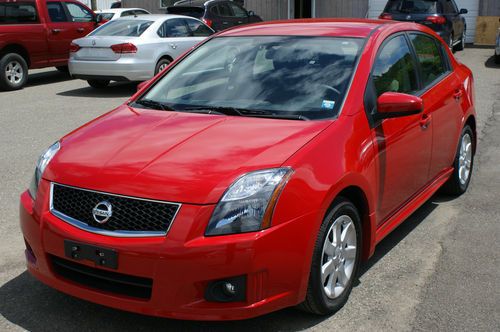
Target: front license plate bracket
104	257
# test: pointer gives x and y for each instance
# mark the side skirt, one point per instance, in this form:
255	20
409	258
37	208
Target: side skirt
412	205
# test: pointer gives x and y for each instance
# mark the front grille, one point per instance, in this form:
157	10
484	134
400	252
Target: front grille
130	216
108	281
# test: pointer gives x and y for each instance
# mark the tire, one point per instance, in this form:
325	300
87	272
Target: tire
63	69
13	72
162	64
497	58
463	164
98	84
321	298
461	45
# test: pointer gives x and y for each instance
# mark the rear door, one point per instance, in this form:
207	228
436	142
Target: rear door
226	16
240	14
452	14
175	34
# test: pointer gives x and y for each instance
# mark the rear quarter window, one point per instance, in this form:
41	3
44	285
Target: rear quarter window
18	13
412	6
130	28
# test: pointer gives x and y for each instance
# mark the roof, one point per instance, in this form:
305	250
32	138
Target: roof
194	3
151	17
117	10
360	28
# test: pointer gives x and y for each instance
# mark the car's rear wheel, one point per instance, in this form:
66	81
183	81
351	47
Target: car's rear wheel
335	261
162	64
98	84
13	71
464	161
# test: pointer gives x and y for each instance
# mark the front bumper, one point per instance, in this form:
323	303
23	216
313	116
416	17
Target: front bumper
123	69
181	264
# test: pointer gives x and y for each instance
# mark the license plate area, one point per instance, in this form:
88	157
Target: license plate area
104	257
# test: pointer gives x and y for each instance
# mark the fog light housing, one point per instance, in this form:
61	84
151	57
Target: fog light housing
227	290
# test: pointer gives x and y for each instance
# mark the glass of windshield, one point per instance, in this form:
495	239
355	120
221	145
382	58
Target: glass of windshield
412	6
107	16
281	75
124	28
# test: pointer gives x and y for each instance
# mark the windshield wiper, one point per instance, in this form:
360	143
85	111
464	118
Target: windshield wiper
243	112
149	103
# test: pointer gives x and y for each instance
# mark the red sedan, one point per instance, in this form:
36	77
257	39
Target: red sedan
255	173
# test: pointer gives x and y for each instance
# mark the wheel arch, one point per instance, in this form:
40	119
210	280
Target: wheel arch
471	121
18	49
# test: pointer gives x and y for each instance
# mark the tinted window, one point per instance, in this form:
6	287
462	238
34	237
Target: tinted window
195	12
238	11
429	57
198	29
107	16
173	28
272	74
449	7
19	12
56	12
141	12
411	6
131	28
79	13
394	70
224	10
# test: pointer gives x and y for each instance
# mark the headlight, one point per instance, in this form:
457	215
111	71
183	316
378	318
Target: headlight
249	202
42	163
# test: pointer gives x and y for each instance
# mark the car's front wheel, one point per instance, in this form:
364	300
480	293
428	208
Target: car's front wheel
336	259
98	84
462	166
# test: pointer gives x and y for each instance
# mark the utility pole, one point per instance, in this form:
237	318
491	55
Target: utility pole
93	4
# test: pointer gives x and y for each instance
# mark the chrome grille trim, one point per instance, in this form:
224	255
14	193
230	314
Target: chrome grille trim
84	226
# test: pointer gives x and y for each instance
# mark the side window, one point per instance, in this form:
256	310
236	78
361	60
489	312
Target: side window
198	29
429	56
56	12
127	13
141	12
214	10
238	11
12	13
79	13
448	7
173	28
225	10
394	69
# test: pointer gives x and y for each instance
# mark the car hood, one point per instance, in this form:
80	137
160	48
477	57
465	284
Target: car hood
172	156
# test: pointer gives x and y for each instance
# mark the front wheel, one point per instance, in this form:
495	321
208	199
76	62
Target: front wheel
464	161
336	259
13	72
98	84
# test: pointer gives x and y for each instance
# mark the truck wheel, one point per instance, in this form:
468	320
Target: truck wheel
98	84
63	69
13	71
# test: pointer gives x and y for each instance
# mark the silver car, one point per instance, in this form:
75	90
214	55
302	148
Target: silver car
133	48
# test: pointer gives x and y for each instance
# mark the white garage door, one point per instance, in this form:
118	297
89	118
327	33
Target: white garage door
377	6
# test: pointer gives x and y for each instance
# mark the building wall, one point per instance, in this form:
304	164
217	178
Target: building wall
150	5
489	7
101	4
341	8
268	10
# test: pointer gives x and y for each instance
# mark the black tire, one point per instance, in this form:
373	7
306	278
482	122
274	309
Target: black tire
161	64
98	84
497	58
317	301
13	72
63	69
461	45
455	186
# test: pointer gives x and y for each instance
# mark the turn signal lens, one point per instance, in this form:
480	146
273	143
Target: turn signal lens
385	16
73	48
436	19
124	48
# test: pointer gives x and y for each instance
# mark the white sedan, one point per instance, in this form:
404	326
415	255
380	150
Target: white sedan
114	13
133	48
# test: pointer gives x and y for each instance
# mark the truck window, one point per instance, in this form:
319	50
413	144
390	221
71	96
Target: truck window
18	12
79	13
56	12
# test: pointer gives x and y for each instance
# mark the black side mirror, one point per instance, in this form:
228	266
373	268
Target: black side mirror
463	11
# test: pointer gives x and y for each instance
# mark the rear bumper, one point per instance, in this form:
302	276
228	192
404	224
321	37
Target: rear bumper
123	69
180	265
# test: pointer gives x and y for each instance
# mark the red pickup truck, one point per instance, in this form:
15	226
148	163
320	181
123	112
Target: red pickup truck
37	34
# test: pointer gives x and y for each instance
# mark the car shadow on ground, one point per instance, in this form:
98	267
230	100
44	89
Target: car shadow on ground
490	63
112	91
46	77
28	303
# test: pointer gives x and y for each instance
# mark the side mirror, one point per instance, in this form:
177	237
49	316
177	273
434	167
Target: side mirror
463	11
142	85
394	104
251	13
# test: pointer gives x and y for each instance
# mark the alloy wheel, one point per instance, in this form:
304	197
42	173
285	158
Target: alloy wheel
339	256
14	72
465	159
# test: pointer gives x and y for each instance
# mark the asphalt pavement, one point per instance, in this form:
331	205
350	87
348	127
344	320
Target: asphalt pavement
438	271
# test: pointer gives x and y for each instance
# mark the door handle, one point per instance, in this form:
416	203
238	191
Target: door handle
457	95
80	29
56	31
225	23
425	121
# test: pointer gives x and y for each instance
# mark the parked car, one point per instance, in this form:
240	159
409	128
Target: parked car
133	48
217	14
112	14
497	47
37	34
254	173
116	4
442	16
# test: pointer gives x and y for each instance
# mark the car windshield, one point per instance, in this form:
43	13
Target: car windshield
411	6
130	28
272	76
107	16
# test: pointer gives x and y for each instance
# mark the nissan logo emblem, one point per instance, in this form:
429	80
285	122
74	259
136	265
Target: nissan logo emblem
102	212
